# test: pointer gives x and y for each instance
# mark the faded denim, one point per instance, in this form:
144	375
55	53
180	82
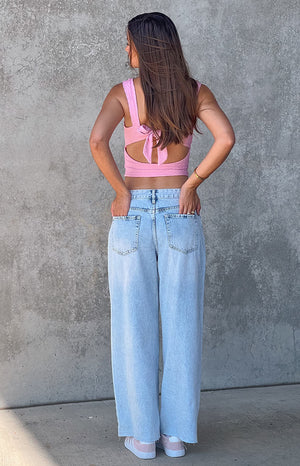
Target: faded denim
156	263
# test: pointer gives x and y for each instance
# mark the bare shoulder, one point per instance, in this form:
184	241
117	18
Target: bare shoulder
117	92
210	112
205	96
117	88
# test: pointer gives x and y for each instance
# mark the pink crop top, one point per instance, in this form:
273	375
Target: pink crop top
138	132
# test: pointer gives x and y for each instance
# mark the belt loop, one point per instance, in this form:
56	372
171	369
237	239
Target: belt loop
153	196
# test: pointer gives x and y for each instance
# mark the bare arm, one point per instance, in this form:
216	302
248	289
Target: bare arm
109	117
218	124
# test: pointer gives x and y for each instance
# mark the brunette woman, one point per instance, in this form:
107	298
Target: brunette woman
156	246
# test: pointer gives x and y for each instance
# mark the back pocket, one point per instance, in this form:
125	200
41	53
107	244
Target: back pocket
182	232
125	233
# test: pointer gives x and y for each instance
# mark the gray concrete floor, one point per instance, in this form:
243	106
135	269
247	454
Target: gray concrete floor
243	427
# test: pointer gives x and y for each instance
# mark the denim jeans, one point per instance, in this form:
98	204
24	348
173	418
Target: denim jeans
156	263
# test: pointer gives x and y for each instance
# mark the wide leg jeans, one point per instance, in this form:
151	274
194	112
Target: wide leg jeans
156	263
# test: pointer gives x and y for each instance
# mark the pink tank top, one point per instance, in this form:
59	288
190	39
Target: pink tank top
138	132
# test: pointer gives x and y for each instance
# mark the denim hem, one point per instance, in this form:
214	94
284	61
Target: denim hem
131	435
183	439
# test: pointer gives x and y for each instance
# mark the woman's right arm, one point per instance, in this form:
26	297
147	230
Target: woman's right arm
220	127
218	124
109	117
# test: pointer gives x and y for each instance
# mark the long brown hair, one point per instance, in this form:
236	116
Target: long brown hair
170	92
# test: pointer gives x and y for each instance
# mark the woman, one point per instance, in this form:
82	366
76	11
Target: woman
156	248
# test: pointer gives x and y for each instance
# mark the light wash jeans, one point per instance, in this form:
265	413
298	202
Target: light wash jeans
156	262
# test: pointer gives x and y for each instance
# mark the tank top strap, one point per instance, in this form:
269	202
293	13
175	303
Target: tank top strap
129	89
199	85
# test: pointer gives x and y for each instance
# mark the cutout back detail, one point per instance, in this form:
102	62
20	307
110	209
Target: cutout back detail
139	139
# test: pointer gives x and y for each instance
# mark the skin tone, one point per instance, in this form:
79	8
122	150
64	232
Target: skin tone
134	56
115	108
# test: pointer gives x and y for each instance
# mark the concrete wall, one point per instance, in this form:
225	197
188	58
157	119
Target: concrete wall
60	60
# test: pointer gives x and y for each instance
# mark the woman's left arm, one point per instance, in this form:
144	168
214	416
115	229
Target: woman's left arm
109	117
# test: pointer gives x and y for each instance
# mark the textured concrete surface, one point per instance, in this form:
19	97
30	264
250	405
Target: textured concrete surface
242	427
60	59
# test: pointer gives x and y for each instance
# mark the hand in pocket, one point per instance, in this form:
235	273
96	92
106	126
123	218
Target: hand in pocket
189	201
121	204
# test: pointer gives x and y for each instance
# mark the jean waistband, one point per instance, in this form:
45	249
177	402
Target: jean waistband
164	193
